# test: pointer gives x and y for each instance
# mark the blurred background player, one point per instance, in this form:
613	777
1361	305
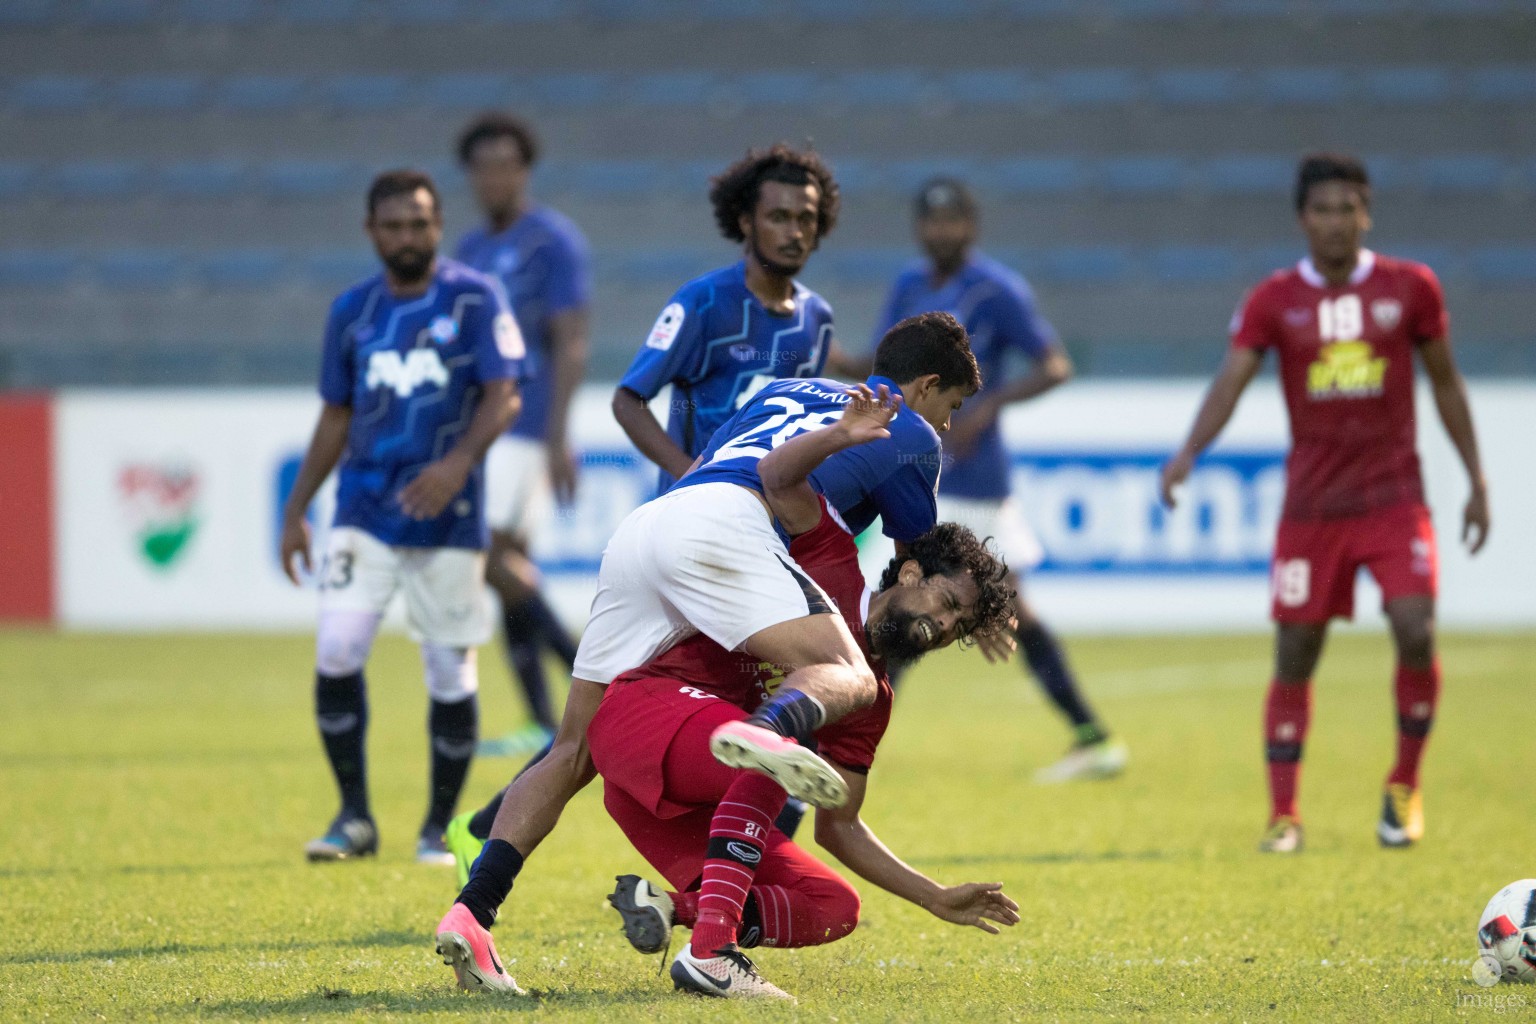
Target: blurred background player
540	257
723	336
1346	323
998	311
419	375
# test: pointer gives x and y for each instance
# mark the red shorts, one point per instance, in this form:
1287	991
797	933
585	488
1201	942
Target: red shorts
1312	578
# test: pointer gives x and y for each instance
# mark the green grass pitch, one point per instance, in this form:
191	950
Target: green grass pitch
157	792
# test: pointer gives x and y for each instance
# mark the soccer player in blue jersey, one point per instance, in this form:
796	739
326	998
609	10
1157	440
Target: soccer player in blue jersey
723	336
540	257
706	557
419	375
999	311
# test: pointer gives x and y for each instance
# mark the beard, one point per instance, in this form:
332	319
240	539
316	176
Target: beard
409	265
896	639
773	266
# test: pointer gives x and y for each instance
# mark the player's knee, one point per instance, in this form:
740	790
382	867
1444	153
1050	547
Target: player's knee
837	908
1415	643
451	672
340	652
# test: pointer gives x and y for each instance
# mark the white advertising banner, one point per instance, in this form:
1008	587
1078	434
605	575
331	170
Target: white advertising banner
168	506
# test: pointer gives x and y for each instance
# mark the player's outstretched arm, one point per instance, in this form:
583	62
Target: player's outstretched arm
325	447
786	470
646	433
1450	392
1236	371
568	341
439	482
842	833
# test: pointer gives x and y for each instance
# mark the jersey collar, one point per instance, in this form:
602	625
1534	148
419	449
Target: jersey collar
1363	267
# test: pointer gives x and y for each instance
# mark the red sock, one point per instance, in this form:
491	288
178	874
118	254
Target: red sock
1418	691
685	908
1287	713
736	839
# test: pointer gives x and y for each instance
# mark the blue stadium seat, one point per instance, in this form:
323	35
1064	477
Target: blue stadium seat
1199	87
366	94
335	269
611	179
16	180
878	88
36	268
1504	265
1194	264
28	13
1154	8
1134	176
571	89
844	11
1084	265
98	180
933	10
525	11
1249	175
1463	174
1296	87
669	88
775	88
905	177
147	269
1093	87
468	91
202	179
666	267
1389	173
242	269
115	13
735	10
159	94
415	12
218	12
856	175
1036	176
1444	260
321	12
864	265
310	179
53	94
261	94
989	87
1259	261
1407	85
1503	83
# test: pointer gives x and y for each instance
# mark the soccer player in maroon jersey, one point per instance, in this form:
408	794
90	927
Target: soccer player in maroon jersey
1346	323
707	826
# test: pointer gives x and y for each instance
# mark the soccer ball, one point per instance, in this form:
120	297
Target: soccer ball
1507	931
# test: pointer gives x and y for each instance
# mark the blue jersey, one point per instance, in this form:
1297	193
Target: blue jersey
411	370
895	478
999	314
716	344
541	261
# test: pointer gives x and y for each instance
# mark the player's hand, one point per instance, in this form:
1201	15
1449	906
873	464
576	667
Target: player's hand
868	414
562	473
1175	472
1474	521
998	647
295	543
977	904
434	487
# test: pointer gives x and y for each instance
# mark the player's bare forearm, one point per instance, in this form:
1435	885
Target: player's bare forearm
646	434
1237	370
1451	402
326	444
568	339
500	403
842	833
1051	370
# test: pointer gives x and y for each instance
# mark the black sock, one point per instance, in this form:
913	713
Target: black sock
750	932
453	729
552	631
341	710
491	880
790	713
480	824
790	817
1046	661
521	625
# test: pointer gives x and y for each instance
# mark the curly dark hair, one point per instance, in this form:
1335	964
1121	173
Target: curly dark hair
735	190
929	343
950	549
1316	168
494	124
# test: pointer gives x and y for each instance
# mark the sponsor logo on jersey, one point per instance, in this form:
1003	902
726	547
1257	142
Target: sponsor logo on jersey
443	329
509	337
403	376
664	333
1298	316
1387	313
1346	369
160	503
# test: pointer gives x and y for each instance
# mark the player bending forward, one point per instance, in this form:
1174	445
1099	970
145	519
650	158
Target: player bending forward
659	736
1346	323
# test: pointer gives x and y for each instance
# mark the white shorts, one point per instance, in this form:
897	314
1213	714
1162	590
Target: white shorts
445	601
518	497
1002	521
702	559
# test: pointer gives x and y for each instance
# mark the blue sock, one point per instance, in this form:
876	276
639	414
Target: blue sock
792	714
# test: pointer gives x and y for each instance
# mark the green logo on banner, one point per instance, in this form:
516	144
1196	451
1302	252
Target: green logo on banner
162	502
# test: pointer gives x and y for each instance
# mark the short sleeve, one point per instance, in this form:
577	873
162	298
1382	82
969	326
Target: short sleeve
336	368
851	741
669	349
1430	320
1253	324
908	498
569	285
1019	324
492	334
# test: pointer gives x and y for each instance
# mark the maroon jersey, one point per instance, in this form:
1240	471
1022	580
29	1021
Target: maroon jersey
1346	366
828	555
